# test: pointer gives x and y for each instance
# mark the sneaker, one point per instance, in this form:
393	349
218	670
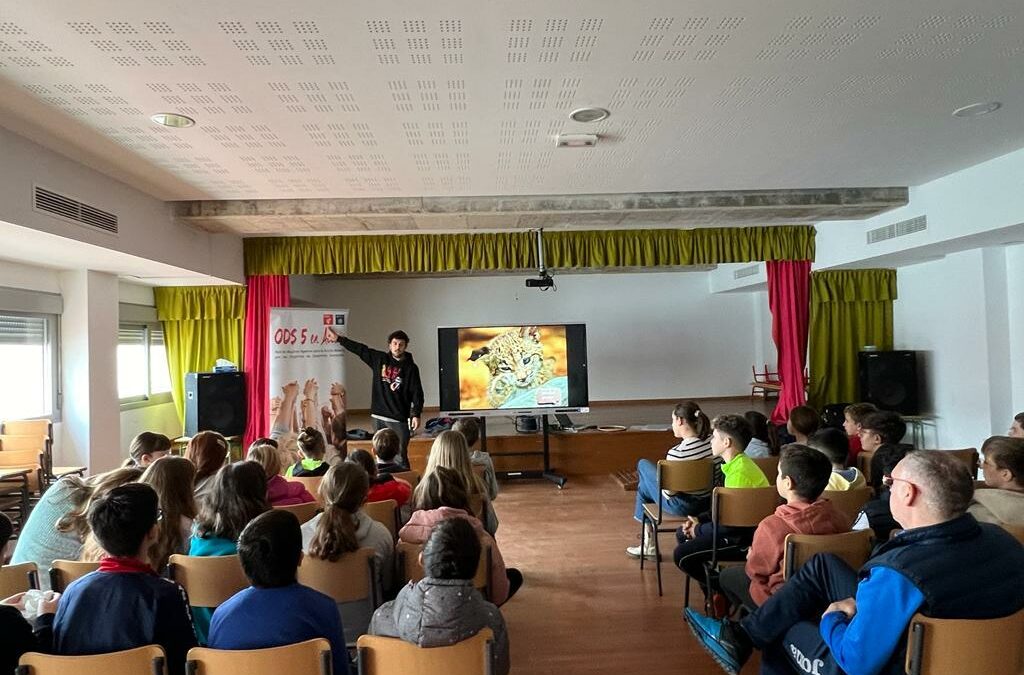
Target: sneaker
723	639
634	552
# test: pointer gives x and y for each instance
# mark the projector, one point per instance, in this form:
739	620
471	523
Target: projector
542	282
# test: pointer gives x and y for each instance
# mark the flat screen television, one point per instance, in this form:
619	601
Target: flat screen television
513	369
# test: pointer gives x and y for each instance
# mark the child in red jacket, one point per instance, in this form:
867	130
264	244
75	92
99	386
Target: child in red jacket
803	475
382	486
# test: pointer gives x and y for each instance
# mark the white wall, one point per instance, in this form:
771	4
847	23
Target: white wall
649	336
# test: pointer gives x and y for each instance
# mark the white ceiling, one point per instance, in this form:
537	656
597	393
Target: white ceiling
331	99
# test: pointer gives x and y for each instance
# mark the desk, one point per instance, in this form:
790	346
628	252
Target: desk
14	482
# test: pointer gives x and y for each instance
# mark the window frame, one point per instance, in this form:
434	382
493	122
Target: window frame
52	342
149	398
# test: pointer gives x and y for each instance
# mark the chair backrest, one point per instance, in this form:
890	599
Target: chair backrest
864	464
63	572
963	647
209	581
691	475
480	470
352	578
23	459
409	561
384	656
138	661
312	657
312	484
1016	530
410	477
743	507
853	547
34	442
385	512
28	428
18	578
969	457
304	512
850	502
769	466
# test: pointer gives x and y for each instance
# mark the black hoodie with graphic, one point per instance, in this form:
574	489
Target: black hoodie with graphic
397	391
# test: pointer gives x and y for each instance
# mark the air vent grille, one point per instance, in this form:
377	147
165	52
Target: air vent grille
900	229
748	271
55	204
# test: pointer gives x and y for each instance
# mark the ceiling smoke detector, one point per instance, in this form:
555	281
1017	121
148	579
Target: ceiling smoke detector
977	109
173	120
576	140
588	115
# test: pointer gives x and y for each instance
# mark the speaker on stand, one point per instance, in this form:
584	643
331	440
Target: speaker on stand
215	402
889	380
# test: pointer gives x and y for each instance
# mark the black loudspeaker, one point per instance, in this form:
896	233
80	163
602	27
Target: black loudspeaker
215	402
889	380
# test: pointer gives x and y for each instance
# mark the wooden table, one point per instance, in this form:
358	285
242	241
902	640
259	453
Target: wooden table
15	482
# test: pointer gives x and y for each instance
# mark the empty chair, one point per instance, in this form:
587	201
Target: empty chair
304	512
11	458
853	547
63	572
966	647
386	513
353	580
312	657
139	661
385	656
18	578
209	581
850	502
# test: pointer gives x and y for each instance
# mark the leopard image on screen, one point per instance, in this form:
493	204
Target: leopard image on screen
518	367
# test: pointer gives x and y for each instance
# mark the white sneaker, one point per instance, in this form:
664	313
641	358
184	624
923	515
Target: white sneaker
649	553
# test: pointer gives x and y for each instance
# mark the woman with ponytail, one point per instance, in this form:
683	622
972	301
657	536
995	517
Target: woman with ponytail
693	429
341	528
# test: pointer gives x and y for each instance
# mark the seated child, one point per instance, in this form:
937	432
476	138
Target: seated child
443	608
760	442
1003	468
20	635
876	514
803	421
803	474
280	491
729	437
880	428
386	445
468	427
834	445
853	417
124	604
313	448
382	486
276	609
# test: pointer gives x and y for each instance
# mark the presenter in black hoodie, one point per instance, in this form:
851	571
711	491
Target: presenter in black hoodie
397	395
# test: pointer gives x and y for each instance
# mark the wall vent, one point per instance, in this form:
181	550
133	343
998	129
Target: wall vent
748	271
900	229
54	204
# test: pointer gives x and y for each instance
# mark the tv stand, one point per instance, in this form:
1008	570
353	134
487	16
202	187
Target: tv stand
547	473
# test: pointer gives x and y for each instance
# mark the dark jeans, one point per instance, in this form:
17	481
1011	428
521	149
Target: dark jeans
400	428
691	554
736	585
785	627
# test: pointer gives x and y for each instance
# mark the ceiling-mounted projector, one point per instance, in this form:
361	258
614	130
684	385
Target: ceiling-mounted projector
544	281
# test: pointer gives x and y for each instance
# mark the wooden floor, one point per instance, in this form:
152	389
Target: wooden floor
585	607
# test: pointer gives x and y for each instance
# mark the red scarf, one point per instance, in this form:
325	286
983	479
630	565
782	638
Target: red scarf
125	565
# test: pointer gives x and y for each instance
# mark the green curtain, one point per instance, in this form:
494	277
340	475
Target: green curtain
468	251
201	324
849	309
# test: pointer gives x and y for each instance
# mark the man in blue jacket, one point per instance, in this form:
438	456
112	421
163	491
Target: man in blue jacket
829	619
124	604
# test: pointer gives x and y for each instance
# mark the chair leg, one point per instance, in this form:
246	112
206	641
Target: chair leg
657	559
686	591
643	539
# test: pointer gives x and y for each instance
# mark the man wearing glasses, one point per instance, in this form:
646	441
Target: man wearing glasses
829	619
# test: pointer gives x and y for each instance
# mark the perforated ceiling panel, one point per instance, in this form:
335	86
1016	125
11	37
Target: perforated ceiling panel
462	98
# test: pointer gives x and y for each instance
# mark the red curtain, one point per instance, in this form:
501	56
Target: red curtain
262	293
789	301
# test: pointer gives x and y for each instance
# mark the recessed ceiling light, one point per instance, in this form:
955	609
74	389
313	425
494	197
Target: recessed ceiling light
576	140
977	109
587	115
173	120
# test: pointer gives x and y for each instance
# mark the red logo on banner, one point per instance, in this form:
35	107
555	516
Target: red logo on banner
328	319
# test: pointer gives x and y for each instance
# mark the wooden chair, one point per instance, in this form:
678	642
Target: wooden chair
410	477
352	578
138	661
63	572
969	457
964	647
769	466
312	484
304	512
312	657
32	459
736	507
1016	530
209	581
18	578
411	570
853	547
692	475
384	656
849	502
386	513
864	465
764	383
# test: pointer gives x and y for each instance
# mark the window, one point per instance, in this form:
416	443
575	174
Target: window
28	365
142	373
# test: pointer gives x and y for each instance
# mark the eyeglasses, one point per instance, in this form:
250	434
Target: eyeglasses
889	480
